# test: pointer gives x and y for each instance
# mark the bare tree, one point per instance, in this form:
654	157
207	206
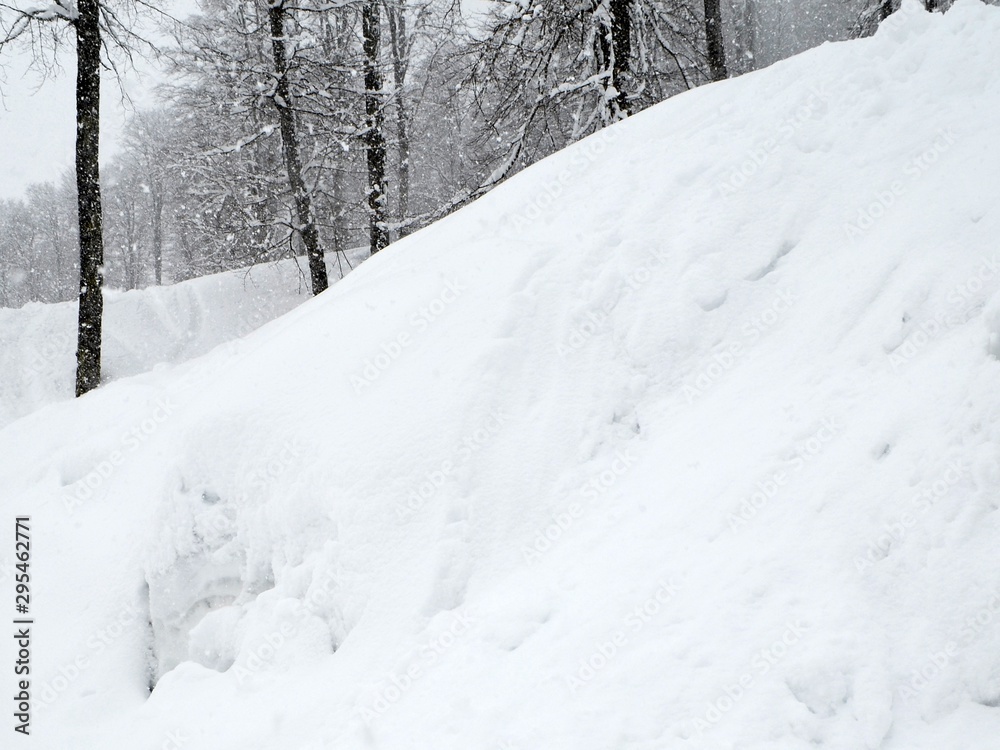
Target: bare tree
53	208
146	152
88	188
873	13
715	44
268	99
18	244
374	136
282	98
744	20
126	222
90	20
549	72
614	53
400	45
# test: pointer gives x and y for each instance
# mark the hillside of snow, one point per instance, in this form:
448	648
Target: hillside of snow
686	437
142	329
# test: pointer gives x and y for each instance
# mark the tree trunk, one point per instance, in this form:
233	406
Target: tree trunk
378	238
187	254
745	35
158	234
713	35
397	33
88	189
131	254
615	41
290	147
621	39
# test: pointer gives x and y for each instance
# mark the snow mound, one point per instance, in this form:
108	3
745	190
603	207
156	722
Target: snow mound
688	436
142	329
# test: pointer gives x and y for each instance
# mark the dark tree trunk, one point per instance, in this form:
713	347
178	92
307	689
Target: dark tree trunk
290	148
621	39
397	33
615	46
373	135
715	44
88	189
158	234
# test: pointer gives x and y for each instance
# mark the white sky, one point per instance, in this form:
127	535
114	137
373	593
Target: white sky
38	119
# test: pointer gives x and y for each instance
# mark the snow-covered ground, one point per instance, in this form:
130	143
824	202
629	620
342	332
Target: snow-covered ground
688	436
143	329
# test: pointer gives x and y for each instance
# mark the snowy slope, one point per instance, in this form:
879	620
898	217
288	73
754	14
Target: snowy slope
143	328
688	436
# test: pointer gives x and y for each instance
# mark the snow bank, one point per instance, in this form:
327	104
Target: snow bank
685	437
142	329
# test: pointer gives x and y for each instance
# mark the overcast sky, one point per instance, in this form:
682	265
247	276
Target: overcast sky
38	120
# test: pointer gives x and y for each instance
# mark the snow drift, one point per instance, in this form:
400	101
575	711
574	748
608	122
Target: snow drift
143	328
685	437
